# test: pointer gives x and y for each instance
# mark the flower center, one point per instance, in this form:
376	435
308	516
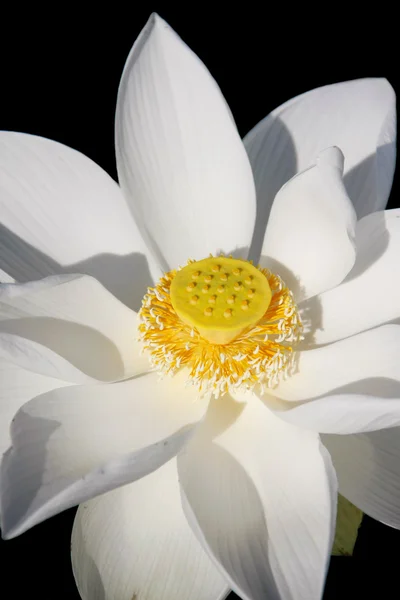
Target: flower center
230	323
220	297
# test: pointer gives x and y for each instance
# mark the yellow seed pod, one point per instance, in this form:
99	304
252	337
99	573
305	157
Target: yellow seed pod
221	323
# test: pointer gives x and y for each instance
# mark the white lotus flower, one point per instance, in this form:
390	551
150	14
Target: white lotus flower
231	490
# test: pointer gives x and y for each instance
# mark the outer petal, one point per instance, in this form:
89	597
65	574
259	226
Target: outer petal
78	319
370	295
74	443
61	213
261	497
363	364
26	370
345	413
358	116
135	543
309	237
368	469
181	163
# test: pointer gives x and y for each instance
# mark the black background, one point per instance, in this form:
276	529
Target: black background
60	69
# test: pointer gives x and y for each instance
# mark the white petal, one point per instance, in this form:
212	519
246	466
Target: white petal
368	470
181	163
346	413
355	365
27	370
79	320
135	543
29	355
61	213
5	277
309	237
370	295
261	497
74	443
358	116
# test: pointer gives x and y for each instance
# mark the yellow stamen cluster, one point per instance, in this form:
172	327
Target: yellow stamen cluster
230	323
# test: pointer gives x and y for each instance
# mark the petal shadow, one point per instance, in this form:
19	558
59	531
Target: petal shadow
71	341
274	161
126	277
